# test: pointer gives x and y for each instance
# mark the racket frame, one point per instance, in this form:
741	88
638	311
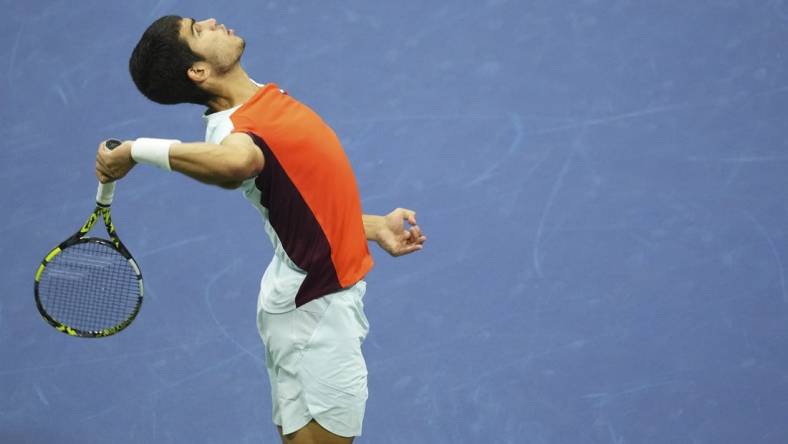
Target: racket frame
101	212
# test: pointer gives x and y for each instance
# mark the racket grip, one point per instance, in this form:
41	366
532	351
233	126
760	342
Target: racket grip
106	191
105	194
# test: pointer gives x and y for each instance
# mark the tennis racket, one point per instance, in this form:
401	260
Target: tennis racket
88	286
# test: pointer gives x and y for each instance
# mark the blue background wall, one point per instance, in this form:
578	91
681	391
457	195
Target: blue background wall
603	185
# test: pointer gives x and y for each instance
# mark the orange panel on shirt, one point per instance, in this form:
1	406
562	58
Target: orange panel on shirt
312	195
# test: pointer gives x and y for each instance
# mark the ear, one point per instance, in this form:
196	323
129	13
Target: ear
199	72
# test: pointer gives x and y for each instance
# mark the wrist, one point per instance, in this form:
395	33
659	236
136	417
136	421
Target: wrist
154	152
372	226
125	148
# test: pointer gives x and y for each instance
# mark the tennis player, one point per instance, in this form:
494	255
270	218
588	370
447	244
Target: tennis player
290	165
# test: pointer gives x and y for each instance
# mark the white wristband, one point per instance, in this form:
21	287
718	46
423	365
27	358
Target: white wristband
154	152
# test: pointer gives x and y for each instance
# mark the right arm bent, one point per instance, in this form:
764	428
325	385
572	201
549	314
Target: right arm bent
225	165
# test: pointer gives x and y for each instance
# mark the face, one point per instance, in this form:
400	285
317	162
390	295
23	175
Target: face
218	45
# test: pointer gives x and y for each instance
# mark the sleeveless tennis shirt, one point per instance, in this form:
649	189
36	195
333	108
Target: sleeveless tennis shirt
306	194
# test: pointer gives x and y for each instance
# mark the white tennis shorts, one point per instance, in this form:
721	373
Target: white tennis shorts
315	365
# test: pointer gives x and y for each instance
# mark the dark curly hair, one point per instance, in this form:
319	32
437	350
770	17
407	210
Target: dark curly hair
159	63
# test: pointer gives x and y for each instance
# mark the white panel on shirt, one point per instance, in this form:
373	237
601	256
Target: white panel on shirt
282	278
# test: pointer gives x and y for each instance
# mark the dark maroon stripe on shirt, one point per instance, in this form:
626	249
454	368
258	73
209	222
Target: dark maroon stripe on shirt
301	235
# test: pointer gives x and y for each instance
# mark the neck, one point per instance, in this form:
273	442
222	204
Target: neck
231	89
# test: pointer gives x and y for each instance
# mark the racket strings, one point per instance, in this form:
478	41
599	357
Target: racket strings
90	287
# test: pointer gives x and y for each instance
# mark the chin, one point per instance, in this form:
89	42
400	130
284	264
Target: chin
241	49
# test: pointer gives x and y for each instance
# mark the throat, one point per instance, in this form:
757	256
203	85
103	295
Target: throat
232	90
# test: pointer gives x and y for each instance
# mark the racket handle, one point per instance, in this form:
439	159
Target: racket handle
106	191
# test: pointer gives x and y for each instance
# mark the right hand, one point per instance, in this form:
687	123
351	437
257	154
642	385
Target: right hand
112	165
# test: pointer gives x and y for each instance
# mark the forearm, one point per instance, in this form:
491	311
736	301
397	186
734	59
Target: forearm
213	164
372	225
226	165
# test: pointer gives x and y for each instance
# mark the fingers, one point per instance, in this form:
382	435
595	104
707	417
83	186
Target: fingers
412	240
408	215
415	231
110	164
398	239
102	173
404	213
413	235
407	249
416	238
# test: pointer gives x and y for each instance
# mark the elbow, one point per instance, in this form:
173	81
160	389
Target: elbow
246	165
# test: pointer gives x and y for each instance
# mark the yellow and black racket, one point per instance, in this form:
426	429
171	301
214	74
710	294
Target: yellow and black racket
88	286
